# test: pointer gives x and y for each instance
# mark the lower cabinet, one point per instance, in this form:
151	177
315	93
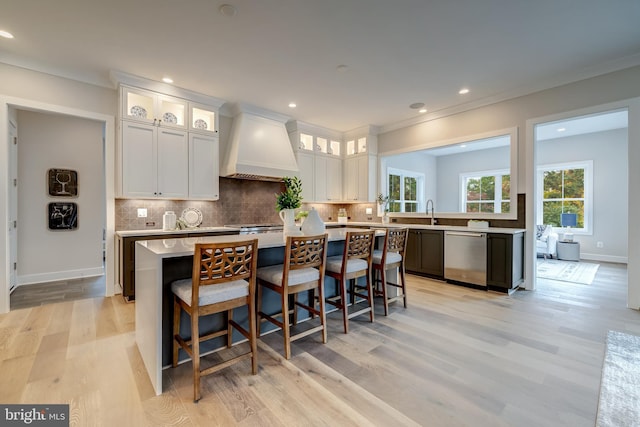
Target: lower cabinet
425	253
505	261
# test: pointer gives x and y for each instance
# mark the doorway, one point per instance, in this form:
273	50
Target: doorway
60	198
581	194
8	106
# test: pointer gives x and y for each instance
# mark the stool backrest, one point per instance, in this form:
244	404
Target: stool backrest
305	252
359	244
396	240
215	263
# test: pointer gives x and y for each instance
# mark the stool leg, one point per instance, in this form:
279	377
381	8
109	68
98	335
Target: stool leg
258	310
383	284
404	285
229	328
323	313
176	331
285	326
370	294
253	340
195	360
343	301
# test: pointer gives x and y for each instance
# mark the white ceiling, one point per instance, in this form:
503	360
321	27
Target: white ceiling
273	52
581	125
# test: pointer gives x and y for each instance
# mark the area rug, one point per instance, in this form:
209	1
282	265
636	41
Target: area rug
619	403
567	271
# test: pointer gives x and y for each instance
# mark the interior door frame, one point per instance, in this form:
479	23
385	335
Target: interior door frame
6	103
13	204
633	253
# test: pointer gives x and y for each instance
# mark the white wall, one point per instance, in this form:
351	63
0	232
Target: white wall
608	151
421	163
614	90
56	141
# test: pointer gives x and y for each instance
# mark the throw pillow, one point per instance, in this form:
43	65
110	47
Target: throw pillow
540	229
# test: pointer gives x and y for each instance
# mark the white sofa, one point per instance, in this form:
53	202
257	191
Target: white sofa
546	241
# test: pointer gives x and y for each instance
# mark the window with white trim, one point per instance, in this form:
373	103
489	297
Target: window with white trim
405	190
485	191
565	188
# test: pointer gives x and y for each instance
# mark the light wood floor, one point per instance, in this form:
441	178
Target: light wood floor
456	356
52	292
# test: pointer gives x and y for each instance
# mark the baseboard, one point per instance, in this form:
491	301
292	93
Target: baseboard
31	279
604	258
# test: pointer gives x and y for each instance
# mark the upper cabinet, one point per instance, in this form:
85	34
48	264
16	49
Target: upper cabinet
168	145
202	119
319	156
153	108
360	165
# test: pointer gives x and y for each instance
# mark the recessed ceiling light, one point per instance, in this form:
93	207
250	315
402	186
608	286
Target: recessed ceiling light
463	91
6	34
342	68
292	105
422	110
227	10
416	105
167	79
561	129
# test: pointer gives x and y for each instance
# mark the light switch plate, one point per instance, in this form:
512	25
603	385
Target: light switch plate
368	211
142	212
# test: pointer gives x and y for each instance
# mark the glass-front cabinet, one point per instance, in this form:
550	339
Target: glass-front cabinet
202	119
153	108
319	156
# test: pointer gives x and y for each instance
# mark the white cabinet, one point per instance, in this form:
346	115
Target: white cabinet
319	156
203	167
327	179
153	108
168	144
360	181
306	165
202	119
155	161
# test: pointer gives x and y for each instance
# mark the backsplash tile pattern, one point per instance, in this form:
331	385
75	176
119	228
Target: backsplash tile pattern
241	202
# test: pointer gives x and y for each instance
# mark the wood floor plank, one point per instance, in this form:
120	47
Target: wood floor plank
455	357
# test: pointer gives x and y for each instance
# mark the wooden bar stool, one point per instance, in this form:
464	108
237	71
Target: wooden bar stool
223	278
354	262
303	270
391	256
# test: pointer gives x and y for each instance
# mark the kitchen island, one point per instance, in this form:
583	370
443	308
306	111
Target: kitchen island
160	262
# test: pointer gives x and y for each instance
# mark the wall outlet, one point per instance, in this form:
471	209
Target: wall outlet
150	224
142	212
600	244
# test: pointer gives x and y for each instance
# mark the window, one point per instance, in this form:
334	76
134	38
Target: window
486	191
565	188
405	190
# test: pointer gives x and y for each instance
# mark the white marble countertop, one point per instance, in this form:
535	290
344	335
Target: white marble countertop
159	232
176	247
232	230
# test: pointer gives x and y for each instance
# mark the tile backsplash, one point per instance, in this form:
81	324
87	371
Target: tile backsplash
241	202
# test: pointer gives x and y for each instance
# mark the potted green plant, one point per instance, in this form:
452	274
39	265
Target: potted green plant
287	201
383	203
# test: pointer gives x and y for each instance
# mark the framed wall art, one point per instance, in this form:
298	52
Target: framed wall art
63	216
63	183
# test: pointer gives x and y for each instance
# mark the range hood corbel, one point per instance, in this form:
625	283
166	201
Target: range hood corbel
258	146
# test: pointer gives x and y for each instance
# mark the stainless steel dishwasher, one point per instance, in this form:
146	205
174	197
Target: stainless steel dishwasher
465	257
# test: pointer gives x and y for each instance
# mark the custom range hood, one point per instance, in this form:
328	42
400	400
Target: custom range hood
258	146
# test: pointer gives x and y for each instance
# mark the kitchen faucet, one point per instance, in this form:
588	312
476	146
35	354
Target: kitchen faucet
433	219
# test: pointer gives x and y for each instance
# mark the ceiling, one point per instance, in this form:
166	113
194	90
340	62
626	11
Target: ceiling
273	52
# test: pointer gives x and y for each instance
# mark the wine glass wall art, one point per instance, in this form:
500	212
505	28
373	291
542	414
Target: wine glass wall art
63	183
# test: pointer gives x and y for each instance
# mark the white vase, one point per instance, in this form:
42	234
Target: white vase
385	218
288	218
313	225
